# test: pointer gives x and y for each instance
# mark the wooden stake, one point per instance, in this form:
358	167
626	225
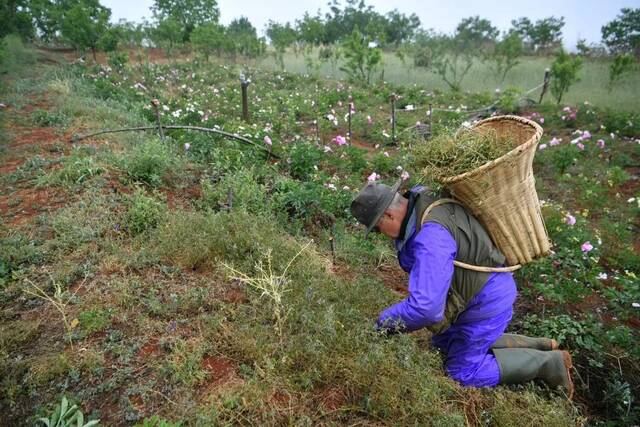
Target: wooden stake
393	117
545	86
430	120
155	103
333	248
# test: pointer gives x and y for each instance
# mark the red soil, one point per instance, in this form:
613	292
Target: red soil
24	204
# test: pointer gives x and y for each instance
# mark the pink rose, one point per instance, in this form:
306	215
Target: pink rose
570	219
373	177
339	140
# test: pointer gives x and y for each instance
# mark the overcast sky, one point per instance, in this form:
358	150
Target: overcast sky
583	18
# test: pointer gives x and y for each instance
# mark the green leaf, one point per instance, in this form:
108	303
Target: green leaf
44	421
92	423
63	408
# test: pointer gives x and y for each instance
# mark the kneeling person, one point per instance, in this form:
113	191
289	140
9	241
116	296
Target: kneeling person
467	311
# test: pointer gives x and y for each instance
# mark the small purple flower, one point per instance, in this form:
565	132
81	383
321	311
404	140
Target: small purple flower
187	146
586	134
267	140
542	146
339	140
570	219
404	175
554	141
581	146
369	120
600	143
586	247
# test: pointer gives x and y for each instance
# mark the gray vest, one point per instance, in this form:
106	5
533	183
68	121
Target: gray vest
474	246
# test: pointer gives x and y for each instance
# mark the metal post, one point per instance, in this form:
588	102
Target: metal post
155	103
545	86
393	117
244	83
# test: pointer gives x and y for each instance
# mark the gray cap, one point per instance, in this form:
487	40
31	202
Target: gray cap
371	202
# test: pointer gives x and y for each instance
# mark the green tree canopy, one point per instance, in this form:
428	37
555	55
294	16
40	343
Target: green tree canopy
622	35
16	18
188	13
208	38
244	36
83	23
543	35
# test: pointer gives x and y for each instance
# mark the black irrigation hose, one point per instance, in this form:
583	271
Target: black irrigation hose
77	138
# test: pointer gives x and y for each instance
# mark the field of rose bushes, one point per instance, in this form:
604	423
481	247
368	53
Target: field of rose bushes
199	280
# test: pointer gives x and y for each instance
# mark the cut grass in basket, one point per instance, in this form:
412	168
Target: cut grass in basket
451	153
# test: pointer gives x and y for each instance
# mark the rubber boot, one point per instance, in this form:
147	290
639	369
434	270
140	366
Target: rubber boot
521	341
519	365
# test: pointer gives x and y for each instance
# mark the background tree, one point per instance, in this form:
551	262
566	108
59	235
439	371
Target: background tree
477	33
362	58
208	39
451	57
245	38
564	73
623	64
622	35
281	36
46	18
311	30
542	36
84	24
168	33
188	13
506	53
400	28
16	18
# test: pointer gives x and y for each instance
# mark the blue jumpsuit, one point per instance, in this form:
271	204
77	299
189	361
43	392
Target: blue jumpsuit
428	258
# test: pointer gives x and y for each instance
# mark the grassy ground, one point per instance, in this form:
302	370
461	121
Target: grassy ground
134	284
528	74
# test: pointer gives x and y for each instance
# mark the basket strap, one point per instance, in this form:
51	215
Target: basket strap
461	264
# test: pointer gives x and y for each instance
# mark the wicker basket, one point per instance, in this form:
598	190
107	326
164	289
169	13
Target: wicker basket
502	193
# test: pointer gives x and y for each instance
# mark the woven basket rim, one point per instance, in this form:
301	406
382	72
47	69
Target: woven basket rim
533	140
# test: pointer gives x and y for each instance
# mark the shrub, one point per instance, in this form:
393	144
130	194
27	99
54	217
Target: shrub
564	73
150	162
302	157
94	320
144	212
246	187
361	58
118	60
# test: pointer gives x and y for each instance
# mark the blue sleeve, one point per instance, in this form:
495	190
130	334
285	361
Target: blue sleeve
429	281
